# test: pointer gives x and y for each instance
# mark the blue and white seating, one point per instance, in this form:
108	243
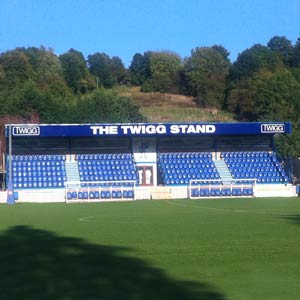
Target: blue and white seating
106	167
179	168
38	171
260	165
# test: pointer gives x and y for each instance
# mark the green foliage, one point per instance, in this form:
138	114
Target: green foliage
32	64
30	100
105	106
283	47
289	145
205	73
140	68
156	71
269	96
263	84
109	71
75	72
15	69
253	60
164	69
118	70
296	55
100	67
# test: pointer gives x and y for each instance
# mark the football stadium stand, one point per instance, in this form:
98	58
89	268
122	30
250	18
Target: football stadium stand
102	162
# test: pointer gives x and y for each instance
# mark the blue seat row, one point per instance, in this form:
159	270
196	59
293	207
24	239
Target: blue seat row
183	155
29	173
246	154
38	171
107	177
106	172
260	165
36	164
191	176
41	184
103	163
104	156
110	184
195	170
252	168
40	157
179	168
215	192
185	161
106	167
114	194
190	165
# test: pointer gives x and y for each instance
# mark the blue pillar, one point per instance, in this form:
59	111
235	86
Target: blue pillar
10	193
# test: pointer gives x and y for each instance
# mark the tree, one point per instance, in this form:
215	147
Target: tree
15	69
105	106
296	55
289	145
47	70
140	68
118	70
223	51
75	71
252	60
269	96
108	71
30	100
164	72
36	64
283	47
205	73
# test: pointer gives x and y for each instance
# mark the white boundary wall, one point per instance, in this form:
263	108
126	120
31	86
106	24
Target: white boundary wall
275	190
3	197
142	193
41	196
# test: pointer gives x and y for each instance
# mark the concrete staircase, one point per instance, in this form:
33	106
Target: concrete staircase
223	170
72	171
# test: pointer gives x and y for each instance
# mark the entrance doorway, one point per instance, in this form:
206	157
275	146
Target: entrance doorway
145	175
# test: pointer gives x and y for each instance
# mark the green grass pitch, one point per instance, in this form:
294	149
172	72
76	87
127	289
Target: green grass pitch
239	249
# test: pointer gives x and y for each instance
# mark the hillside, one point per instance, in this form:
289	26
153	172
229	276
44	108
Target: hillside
160	107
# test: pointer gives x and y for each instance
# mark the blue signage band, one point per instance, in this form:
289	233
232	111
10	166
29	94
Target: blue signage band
148	129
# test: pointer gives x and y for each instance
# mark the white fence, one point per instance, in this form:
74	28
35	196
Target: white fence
100	190
219	188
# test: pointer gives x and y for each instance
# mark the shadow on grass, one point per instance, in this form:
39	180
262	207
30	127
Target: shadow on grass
294	219
38	265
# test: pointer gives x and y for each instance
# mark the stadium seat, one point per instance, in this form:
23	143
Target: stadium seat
179	168
106	167
204	192
37	171
225	192
260	165
195	192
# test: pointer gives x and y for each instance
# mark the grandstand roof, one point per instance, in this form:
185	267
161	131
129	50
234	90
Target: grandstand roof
147	129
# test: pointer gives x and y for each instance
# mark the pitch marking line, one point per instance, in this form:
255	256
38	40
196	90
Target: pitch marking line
87	219
230	210
91	219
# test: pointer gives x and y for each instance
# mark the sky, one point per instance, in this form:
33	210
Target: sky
126	27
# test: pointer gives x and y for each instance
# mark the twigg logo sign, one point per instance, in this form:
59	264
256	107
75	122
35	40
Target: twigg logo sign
272	128
26	130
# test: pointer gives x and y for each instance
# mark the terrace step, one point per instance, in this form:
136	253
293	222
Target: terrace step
223	170
72	171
